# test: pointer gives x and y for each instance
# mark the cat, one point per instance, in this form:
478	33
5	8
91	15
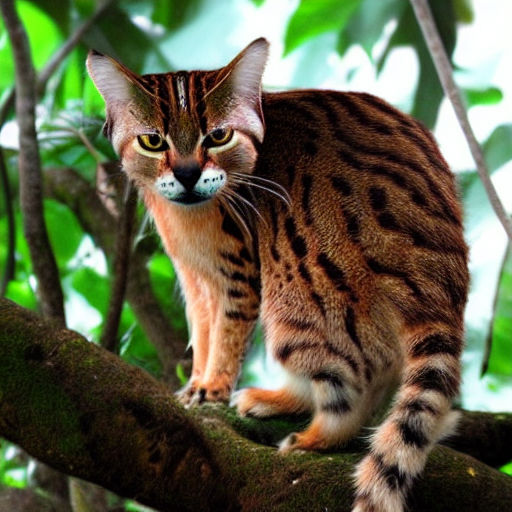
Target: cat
330	216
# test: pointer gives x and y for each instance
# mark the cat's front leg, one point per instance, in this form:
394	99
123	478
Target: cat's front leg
200	310
221	315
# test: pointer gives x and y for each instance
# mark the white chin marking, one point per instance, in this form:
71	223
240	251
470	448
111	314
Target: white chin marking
169	187
210	181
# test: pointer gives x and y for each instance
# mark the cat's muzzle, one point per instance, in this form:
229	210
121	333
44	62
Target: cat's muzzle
186	188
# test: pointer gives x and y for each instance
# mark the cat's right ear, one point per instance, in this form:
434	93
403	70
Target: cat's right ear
114	81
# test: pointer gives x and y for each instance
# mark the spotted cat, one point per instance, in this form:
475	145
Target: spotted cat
331	217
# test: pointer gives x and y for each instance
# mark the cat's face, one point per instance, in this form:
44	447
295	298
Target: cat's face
188	136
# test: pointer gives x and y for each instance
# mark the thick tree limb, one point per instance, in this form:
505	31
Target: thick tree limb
43	259
84	411
445	73
71	189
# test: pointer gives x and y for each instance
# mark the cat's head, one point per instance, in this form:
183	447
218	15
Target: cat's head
186	134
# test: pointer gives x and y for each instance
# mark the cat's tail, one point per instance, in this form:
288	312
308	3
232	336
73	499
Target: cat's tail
421	415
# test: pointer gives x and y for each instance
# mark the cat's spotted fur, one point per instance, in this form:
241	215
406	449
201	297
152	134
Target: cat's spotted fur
330	216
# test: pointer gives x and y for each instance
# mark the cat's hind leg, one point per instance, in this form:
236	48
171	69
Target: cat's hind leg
338	415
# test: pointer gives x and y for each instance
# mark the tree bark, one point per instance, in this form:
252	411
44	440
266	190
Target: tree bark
84	411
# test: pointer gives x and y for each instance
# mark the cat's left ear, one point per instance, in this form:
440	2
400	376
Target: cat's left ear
239	85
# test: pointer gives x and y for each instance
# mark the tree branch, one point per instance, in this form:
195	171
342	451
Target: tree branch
73	404
43	259
86	412
445	73
123	251
68	187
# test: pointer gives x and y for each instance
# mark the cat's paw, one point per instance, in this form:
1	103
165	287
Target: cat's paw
186	394
308	440
289	444
249	403
197	391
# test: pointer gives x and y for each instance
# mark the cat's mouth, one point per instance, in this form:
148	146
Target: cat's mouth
207	185
190	198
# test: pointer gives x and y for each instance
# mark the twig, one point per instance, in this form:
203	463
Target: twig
445	73
109	338
31	199
11	228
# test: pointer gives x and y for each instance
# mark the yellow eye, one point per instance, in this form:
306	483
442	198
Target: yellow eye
218	137
152	142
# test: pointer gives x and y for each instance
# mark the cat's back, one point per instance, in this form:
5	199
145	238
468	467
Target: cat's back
368	186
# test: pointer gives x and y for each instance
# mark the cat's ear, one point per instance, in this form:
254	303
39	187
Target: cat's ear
238	87
115	82
245	71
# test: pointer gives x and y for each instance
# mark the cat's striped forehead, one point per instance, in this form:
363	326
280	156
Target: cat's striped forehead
179	99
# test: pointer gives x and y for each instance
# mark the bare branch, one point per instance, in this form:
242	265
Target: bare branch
445	73
43	259
109	338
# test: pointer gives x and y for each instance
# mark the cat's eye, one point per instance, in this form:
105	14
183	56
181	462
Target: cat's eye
152	142
218	137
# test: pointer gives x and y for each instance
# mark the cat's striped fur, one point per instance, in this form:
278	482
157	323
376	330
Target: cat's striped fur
333	218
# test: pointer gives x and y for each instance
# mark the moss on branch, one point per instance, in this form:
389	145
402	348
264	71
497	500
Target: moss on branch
84	411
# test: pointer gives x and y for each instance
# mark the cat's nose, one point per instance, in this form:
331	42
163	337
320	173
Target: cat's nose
187	175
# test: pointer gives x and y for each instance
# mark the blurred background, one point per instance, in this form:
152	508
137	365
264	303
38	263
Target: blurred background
364	45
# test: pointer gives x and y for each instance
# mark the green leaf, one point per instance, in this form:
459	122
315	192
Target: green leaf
258	3
507	468
175	13
59	11
366	25
64	231
498	147
92	286
500	362
43	33
135	347
464	11
117	35
21	293
314	17
489	96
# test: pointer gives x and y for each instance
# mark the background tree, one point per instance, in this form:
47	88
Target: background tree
105	252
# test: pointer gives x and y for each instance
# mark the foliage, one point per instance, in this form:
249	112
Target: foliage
139	33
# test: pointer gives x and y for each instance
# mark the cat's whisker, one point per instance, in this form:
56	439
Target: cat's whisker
265	180
229	203
246	180
248	203
239	197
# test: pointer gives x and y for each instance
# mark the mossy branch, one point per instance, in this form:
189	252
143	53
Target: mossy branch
84	411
